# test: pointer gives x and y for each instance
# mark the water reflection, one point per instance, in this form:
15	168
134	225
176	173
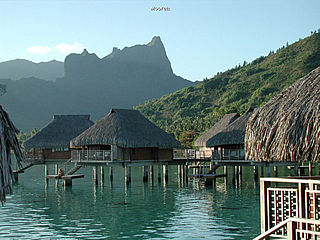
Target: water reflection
172	210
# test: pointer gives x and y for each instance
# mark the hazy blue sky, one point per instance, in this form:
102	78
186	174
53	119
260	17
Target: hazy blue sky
201	37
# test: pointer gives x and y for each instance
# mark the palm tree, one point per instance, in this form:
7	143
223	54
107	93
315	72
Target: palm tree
8	143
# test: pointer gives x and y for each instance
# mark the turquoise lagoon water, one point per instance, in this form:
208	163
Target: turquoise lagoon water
173	210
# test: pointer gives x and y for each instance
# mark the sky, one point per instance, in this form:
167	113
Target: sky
201	37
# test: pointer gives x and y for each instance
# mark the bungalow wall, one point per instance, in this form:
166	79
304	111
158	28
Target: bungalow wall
48	154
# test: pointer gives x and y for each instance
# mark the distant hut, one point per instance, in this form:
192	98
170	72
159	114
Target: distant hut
51	143
218	127
8	143
128	136
287	128
228	143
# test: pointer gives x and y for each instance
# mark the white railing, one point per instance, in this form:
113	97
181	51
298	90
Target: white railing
285	198
228	154
91	155
188	154
296	228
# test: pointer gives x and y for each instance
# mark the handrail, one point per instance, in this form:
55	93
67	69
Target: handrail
273	229
285	222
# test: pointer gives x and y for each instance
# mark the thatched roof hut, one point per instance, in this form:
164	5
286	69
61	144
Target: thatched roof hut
218	127
8	142
59	132
232	134
287	128
127	129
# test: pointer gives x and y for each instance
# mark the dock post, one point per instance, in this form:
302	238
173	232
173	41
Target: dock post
165	172
296	169
56	170
102	174
234	175
225	171
187	172
111	173
16	176
145	173
67	182
151	173
269	171
159	173
95	175
46	173
319	169
310	169
275	168
127	174
255	173
261	173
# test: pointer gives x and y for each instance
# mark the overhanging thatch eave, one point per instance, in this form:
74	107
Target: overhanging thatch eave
287	128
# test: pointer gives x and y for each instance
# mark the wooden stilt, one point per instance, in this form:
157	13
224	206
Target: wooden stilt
269	171
275	168
234	175
186	172
165	171
296	169
46	173
127	174
310	168
225	171
255	173
95	175
67	182
151	173
261	171
56	170
111	173
159	173
102	174
145	173
319	169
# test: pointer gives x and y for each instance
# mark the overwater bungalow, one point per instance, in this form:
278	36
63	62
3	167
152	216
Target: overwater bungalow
51	143
202	141
228	142
287	128
123	135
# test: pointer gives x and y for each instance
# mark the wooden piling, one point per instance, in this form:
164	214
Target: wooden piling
145	173
56	170
159	173
255	173
275	169
151	173
46	172
102	174
225	171
234	175
111	173
165	172
261	171
95	175
310	169
269	171
127	174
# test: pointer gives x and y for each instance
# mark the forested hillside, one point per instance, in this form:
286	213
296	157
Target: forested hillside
188	112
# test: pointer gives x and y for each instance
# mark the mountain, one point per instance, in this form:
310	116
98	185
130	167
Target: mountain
190	111
91	85
21	68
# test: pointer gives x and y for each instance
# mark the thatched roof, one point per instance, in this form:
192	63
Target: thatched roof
59	131
126	128
232	134
218	127
8	142
287	128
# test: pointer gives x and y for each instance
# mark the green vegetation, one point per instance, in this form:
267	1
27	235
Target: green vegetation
188	112
22	136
